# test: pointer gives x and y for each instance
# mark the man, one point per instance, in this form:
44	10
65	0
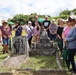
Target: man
36	20
53	30
46	24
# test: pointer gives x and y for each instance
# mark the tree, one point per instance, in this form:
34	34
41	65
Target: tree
65	12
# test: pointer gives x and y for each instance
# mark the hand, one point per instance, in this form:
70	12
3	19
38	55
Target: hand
9	36
65	40
4	36
0	40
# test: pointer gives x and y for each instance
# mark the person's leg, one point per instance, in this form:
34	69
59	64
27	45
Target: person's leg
48	33
71	58
29	41
51	37
4	45
60	44
54	36
8	42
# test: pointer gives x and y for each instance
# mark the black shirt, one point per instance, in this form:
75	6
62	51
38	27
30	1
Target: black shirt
46	24
33	23
59	31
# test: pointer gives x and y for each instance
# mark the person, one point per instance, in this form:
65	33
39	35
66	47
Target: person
53	30
18	29
71	42
36	33
6	34
0	36
46	24
66	30
59	35
29	31
36	20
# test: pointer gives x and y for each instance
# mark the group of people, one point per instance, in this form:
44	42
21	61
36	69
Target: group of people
64	32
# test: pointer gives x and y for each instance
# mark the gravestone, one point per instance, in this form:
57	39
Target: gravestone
20	45
44	46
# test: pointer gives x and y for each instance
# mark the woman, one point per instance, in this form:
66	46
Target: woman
71	42
36	33
66	30
29	31
0	36
18	29
59	35
6	34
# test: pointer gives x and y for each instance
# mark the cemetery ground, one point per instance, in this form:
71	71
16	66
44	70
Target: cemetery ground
34	62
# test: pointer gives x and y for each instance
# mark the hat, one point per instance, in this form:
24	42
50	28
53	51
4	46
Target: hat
29	22
53	20
67	20
4	21
73	17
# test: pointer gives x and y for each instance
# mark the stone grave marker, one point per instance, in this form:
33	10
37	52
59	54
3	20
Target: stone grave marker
20	45
44	46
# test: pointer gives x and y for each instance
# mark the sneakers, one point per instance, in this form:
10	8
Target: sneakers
3	52
61	58
7	52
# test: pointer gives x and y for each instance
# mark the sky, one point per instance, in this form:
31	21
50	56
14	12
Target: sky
9	8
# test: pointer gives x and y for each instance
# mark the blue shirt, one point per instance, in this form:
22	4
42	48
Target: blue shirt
19	31
71	38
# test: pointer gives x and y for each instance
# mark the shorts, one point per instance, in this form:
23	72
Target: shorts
6	41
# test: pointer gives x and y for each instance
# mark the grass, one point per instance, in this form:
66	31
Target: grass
2	56
40	62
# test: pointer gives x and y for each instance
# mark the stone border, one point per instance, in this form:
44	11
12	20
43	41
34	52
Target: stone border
41	72
57	61
6	73
4	61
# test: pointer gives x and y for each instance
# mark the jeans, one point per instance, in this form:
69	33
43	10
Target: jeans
52	37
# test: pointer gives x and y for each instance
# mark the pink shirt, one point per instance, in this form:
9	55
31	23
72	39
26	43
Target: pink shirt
66	30
6	31
35	32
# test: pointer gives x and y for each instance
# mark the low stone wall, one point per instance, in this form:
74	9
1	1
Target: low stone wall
41	72
6	73
44	49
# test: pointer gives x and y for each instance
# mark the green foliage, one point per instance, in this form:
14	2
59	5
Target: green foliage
74	10
25	18
65	12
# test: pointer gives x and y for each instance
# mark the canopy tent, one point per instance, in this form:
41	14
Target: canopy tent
41	19
11	23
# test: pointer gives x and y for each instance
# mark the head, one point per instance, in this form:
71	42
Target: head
29	23
36	18
62	22
17	23
68	23
53	21
72	20
46	17
59	20
4	23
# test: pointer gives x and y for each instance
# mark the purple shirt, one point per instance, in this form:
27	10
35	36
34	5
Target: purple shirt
6	31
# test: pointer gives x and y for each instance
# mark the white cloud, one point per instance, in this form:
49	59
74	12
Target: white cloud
9	8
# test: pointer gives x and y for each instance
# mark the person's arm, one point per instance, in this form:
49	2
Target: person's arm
0	36
63	37
15	29
73	37
50	29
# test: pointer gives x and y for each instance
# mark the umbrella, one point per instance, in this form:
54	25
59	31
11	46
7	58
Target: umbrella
11	23
41	19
